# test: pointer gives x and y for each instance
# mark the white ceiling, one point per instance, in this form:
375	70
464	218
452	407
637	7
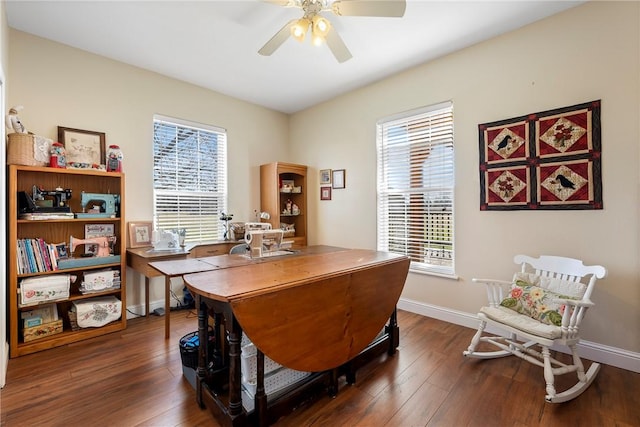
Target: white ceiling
214	44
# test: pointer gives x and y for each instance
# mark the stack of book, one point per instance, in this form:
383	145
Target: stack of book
37	256
35	216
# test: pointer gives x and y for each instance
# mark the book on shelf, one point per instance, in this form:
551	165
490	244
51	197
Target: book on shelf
36	256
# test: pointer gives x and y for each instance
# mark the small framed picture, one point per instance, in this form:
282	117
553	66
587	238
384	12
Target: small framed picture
325	177
84	148
325	193
338	178
140	234
61	248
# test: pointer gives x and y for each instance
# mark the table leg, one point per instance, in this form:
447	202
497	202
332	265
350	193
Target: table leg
261	396
146	296
167	306
235	336
394	332
202	350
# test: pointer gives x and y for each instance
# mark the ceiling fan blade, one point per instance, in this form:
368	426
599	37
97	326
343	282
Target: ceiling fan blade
277	40
382	8
285	3
337	46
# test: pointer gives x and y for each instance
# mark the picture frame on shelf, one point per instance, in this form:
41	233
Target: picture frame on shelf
338	178
325	177
83	148
61	249
287	185
325	193
140	234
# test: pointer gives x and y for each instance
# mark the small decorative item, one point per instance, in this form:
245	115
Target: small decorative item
85	148
12	121
261	215
325	193
295	210
114	159
57	156
226	218
140	234
338	178
325	177
182	234
289	206
287	186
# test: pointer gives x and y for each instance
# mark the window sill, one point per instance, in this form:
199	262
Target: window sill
451	276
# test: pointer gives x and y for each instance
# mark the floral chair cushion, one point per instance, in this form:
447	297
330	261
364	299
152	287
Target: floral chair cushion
538	302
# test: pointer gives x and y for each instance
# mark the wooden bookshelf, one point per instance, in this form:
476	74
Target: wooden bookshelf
23	178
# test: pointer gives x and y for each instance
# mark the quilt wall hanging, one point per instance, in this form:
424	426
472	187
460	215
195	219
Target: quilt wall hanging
545	160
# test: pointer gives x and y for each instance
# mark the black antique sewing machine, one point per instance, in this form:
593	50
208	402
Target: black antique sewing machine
38	203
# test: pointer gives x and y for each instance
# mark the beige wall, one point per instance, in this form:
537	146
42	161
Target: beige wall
63	86
587	53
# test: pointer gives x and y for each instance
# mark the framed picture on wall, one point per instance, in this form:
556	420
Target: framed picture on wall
140	234
325	177
325	193
338	178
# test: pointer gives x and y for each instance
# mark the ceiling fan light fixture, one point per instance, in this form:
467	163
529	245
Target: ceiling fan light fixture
299	29
317	40
320	26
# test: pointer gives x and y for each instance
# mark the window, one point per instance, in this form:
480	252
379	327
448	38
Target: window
415	187
189	178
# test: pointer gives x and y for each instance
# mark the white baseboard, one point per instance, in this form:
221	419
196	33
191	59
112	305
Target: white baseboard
134	311
613	356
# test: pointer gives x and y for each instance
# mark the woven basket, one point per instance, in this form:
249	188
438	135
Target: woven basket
20	150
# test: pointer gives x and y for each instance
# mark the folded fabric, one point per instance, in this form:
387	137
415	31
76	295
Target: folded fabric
39	289
97	312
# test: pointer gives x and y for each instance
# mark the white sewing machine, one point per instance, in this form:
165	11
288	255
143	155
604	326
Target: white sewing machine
165	240
264	242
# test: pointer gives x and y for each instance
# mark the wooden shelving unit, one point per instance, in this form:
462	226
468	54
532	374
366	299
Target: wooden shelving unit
273	198
23	178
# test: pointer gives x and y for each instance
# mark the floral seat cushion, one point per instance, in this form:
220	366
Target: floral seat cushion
537	297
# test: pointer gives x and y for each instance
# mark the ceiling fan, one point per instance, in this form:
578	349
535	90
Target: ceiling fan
321	28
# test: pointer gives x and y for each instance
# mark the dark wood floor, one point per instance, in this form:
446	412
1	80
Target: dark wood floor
134	378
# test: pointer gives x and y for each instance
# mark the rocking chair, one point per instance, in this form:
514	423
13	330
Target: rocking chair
543	305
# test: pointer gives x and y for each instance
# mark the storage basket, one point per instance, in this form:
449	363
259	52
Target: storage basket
41	331
20	150
189	347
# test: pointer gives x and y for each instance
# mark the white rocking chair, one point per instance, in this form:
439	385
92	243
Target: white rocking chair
543	305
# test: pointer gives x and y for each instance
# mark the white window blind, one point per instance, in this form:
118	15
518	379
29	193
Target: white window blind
415	183
189	178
